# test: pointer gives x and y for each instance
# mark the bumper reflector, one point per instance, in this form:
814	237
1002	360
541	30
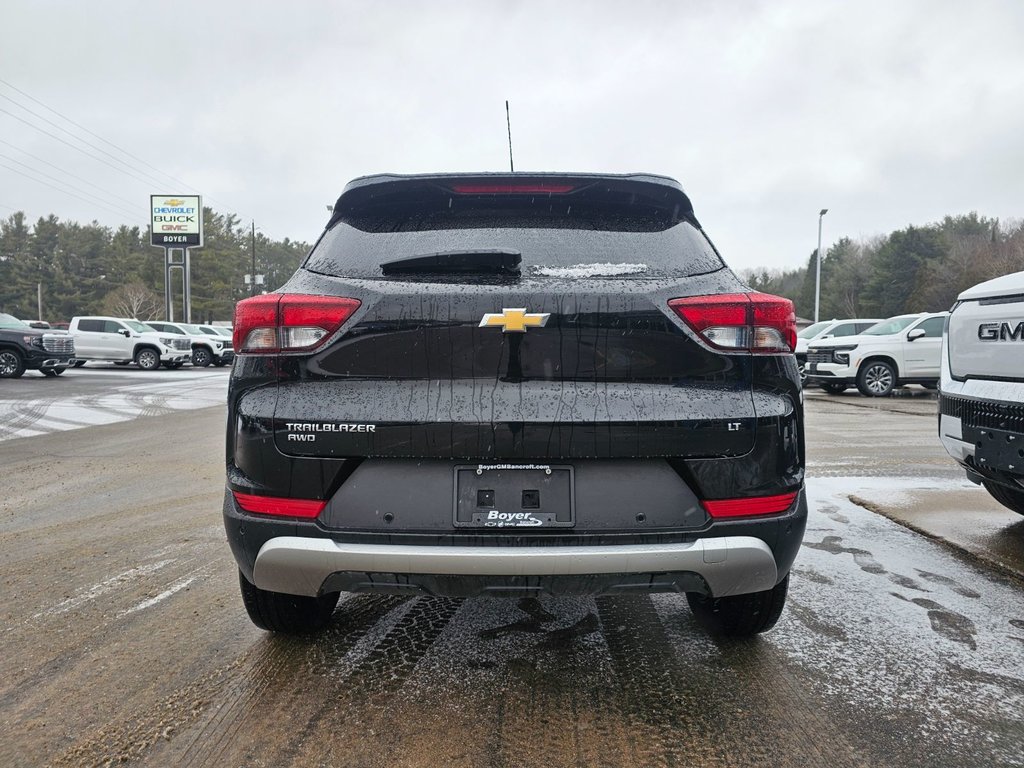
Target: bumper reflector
749	507
280	507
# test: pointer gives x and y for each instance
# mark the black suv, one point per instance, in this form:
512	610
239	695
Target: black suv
23	347
509	384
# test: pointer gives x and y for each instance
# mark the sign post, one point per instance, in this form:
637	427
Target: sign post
176	225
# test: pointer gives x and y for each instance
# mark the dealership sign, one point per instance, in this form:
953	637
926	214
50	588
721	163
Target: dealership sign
176	221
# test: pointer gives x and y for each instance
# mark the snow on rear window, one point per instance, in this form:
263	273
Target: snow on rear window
590	270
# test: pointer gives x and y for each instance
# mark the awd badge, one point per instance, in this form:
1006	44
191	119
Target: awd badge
515	320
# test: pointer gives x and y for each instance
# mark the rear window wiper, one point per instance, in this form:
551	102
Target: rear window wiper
476	261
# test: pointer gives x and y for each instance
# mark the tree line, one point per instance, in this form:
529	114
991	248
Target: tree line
915	269
89	269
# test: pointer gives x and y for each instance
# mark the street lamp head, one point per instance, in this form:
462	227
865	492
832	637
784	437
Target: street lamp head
823	211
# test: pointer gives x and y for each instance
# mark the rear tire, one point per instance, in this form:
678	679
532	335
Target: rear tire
147	359
287	614
12	366
52	371
833	389
876	378
1008	497
740	615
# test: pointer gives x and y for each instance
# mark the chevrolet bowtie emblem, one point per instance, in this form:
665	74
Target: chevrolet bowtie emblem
515	320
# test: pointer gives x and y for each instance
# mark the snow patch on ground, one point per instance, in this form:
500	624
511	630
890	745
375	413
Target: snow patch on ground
892	622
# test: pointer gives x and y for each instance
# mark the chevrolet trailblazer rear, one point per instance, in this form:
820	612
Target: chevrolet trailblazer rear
511	384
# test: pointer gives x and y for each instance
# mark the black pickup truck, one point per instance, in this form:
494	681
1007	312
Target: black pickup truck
23	347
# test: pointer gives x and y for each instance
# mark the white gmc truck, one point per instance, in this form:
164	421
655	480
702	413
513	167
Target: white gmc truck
981	389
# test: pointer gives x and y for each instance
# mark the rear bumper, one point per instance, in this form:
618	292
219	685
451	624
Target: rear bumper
728	565
726	557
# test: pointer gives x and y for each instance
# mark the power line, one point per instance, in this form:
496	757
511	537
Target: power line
111	203
113	157
91	133
96	135
147	182
67	172
72	194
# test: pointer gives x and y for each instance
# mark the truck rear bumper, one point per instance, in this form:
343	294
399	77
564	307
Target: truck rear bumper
727	565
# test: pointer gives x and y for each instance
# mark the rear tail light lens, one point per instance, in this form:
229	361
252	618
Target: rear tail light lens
279	507
288	322
749	507
751	322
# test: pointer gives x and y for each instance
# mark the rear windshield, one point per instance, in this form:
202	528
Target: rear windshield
557	236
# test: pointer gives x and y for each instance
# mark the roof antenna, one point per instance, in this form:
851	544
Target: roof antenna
508	121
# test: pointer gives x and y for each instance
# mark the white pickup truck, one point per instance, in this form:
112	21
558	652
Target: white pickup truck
122	341
981	390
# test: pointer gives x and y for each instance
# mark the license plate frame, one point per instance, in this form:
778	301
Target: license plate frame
509	484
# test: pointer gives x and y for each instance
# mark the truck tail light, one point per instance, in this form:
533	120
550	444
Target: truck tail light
288	322
750	322
749	507
279	507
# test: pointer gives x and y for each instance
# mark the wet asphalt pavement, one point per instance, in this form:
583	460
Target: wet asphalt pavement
125	641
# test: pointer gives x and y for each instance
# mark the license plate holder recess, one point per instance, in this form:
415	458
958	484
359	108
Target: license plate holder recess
514	496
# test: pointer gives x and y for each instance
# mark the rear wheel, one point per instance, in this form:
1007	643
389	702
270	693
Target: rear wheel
201	357
11	364
833	389
288	614
876	378
52	371
1008	497
740	615
147	359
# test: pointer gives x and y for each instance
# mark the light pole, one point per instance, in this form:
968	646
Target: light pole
252	244
817	280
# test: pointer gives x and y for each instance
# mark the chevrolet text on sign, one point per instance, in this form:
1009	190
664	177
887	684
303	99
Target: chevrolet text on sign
176	221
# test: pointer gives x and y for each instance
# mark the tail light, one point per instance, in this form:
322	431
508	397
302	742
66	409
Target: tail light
749	507
288	322
279	507
752	322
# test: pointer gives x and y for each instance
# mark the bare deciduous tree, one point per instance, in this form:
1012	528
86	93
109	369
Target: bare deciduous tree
133	300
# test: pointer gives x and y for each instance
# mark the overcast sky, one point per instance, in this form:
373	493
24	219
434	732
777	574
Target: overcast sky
887	113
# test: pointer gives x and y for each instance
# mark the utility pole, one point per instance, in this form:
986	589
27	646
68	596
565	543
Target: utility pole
39	300
252	285
817	280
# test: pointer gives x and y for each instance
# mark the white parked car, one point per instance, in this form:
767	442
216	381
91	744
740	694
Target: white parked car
206	348
901	350
116	340
827	329
981	392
